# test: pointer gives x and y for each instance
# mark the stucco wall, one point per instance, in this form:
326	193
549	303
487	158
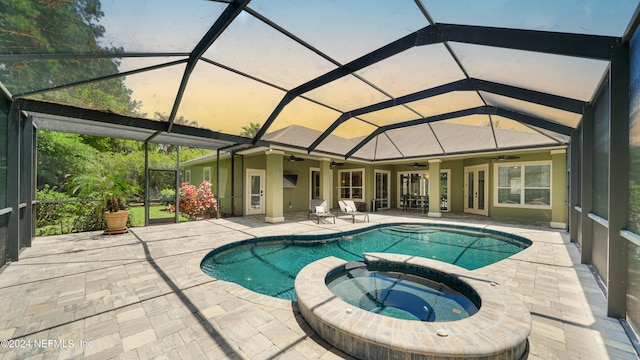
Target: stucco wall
297	199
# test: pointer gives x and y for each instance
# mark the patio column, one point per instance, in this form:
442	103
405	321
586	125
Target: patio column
559	186
274	191
434	188
325	181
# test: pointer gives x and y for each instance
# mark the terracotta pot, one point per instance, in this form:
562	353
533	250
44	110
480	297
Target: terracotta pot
116	220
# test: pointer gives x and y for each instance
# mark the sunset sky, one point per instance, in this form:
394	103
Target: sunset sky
345	30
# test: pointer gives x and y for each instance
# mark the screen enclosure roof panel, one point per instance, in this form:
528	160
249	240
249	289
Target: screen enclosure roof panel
372	79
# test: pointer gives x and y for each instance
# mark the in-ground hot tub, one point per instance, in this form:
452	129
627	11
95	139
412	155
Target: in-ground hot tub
383	290
498	330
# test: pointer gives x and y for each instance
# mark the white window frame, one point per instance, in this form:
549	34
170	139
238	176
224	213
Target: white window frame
351	187
204	174
522	204
187	176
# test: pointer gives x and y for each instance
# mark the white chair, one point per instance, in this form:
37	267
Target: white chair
348	207
318	209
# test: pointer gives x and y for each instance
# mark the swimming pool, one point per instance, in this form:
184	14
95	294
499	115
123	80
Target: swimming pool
269	265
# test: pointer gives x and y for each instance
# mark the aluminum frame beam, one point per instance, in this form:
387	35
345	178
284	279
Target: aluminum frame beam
618	192
126	121
471	84
102	78
481	110
224	20
567	44
596	47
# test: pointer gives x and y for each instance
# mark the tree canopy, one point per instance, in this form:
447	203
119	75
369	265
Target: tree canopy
68	27
250	130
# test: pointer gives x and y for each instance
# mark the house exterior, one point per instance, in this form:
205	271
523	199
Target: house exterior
273	181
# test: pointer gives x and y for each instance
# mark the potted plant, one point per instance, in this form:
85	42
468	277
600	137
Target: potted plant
111	190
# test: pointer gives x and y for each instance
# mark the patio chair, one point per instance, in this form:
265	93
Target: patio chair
318	209
348	207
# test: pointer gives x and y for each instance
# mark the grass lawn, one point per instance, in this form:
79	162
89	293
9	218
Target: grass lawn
136	217
136	214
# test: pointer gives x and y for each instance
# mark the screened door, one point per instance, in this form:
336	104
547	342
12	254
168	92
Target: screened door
161	196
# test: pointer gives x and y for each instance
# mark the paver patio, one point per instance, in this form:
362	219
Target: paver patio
142	295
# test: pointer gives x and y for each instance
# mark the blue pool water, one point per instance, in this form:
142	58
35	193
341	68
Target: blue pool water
269	265
401	295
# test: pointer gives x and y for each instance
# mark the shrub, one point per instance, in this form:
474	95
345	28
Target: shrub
55	217
87	219
167	194
197	202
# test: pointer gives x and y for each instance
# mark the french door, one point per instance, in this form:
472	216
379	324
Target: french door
476	189
382	191
254	203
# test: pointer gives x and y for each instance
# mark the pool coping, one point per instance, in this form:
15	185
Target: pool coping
499	330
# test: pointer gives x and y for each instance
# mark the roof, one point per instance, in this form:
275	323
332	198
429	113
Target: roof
372	80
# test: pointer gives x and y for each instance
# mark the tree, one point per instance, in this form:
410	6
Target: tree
165	148
179	120
251	130
60	156
61	27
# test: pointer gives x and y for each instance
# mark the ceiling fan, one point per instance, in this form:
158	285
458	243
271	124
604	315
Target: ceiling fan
417	164
335	163
505	157
295	158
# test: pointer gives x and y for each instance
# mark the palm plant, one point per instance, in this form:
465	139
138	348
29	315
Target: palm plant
251	130
110	189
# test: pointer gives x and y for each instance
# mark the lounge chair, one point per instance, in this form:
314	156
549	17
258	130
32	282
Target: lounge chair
318	209
348	207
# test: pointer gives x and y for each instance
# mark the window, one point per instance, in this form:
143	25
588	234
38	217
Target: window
524	185
351	184
206	174
187	176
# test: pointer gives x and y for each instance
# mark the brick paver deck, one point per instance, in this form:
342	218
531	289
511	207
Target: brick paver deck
142	295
